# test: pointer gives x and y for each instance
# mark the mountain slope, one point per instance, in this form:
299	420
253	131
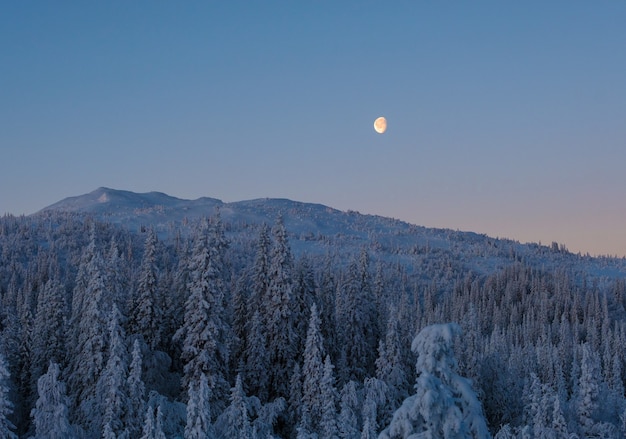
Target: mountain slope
319	229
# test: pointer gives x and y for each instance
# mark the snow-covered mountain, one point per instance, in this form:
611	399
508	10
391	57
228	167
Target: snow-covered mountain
319	229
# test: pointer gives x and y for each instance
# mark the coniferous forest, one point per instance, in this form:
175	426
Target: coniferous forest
107	332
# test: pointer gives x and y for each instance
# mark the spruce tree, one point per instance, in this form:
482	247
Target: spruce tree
153	427
280	326
149	425
6	406
234	422
240	321
294	404
444	405
588	390
328	428
304	297
257	360
146	317
204	332
390	366
50	414
259	294
49	328
87	360
136	392
199	410
112	385
313	371
355	315
348	422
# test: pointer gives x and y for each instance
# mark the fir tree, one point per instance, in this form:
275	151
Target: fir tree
87	360
295	396
313	370
445	404
175	298
199	410
6	406
204	332
259	294
153	427
390	366
159	429
588	391
112	385
280	326
240	319
256	359
375	396
147	315
348	419
49	328
328	428
234	423
505	432
149	424
304	296
50	414
136	392
117	283
559	424
267	417
355	315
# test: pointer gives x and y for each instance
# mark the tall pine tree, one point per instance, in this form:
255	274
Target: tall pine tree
280	326
50	414
204	334
6	406
146	317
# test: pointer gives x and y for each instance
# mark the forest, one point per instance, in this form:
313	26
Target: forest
107	332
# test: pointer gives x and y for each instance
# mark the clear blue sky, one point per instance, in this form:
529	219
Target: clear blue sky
504	118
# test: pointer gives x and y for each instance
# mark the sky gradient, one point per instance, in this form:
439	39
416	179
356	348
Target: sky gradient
504	118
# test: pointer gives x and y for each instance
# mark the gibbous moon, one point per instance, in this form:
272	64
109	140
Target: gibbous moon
380	125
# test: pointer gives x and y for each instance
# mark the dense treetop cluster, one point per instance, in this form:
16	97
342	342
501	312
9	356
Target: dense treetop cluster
112	333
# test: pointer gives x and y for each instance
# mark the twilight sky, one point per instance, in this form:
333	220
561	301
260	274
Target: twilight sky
504	118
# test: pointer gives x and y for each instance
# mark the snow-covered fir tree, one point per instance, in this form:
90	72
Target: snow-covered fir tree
280	321
586	399
146	317
50	414
234	422
49	328
256	359
153	425
328	428
356	321
7	429
374	400
390	366
313	371
112	388
444	405
348	421
136	392
204	333
90	333
199	424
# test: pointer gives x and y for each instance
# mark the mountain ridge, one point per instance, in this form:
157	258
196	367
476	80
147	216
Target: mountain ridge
318	229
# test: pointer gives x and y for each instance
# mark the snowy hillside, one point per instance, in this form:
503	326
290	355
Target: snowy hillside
313	228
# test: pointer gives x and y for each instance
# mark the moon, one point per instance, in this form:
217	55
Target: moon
380	125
